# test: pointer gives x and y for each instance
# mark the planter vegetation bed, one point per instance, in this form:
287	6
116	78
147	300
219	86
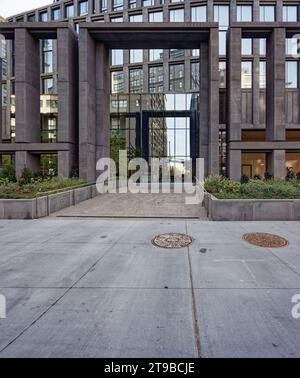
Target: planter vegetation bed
223	188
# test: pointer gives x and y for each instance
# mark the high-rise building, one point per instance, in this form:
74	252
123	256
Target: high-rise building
231	98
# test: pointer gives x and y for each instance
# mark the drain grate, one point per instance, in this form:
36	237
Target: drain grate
261	239
172	240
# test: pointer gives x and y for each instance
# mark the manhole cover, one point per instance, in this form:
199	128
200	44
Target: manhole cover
261	239
172	240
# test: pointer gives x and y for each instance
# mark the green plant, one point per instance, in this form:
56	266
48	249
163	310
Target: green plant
244	179
9	173
221	184
26	176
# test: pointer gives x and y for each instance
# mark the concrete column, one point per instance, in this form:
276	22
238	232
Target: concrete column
210	11
275	87
279	10
233	11
276	164
26	159
213	95
235	163
67	56
87	106
203	106
234	116
66	162
102	102
67	86
255	11
1	111
255	84
27	71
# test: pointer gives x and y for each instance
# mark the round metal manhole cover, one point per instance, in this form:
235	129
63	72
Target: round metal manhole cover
172	240
261	239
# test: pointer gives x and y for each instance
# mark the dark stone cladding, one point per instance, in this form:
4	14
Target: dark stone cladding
245	109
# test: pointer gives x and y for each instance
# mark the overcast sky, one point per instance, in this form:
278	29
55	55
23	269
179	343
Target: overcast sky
11	7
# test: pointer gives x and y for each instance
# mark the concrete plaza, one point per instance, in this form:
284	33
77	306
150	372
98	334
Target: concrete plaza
99	288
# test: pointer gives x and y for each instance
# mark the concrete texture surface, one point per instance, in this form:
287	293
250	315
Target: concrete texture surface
128	205
98	288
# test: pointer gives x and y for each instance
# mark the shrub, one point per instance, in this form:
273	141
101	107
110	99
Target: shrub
244	179
8	172
220	184
26	176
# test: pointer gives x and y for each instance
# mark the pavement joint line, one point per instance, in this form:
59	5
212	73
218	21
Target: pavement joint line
283	262
143	288
194	306
55	302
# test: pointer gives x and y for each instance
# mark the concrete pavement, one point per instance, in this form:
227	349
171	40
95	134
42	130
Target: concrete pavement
98	288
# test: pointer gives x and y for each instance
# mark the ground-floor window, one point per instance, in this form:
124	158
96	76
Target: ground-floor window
254	164
49	164
292	162
222	153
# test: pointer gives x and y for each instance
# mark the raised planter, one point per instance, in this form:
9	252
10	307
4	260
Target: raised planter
43	206
251	209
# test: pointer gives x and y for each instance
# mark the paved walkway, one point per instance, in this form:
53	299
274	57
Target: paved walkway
129	205
99	288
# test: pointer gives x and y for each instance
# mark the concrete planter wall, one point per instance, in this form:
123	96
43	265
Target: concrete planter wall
46	205
251	210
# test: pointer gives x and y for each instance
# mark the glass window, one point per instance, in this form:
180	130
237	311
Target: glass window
136	18
117	82
195	52
290	13
176	73
254	164
83	8
156	17
291	74
262	46
262	74
116	19
103	5
155	54
56	14
47	86
136	56
44	16
222	42
177	53
47	51
4	94
246	75
244	13
69	11
148	3
291	46
156	79
132	4
222	74
199	13
31	18
221	15
136	80
177	15
195	75
292	162
117	57
246	46
117	4
267	13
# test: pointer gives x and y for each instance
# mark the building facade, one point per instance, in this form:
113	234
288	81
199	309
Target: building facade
231	97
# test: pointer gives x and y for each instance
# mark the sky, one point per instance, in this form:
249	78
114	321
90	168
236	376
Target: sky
12	7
